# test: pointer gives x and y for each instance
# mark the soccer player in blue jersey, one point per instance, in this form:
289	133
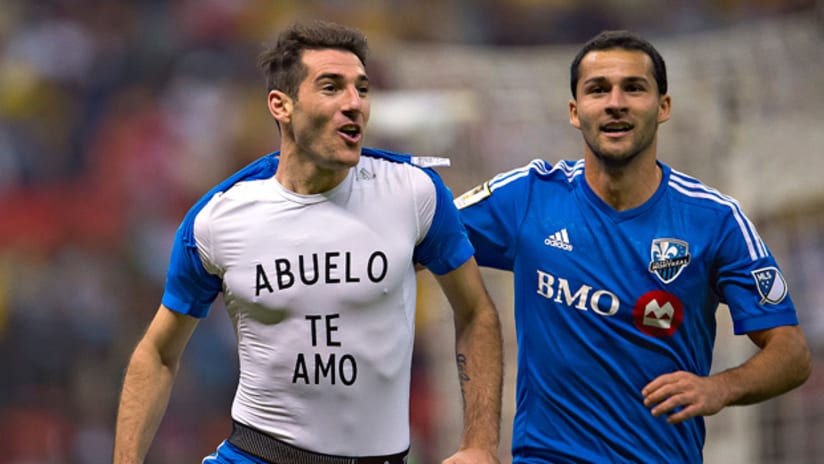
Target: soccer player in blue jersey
619	264
314	250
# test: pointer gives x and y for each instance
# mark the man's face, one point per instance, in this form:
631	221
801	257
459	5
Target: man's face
618	107
329	116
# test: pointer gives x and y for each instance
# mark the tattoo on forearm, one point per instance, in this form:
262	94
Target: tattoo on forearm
462	375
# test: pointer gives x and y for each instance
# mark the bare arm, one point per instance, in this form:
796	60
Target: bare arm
480	363
147	385
782	364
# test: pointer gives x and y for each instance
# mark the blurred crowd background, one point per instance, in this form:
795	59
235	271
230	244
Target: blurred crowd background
116	116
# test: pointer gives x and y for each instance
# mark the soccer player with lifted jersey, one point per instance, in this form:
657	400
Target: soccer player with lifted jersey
314	249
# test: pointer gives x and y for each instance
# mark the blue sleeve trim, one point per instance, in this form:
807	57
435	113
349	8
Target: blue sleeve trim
446	246
190	289
390	155
766	321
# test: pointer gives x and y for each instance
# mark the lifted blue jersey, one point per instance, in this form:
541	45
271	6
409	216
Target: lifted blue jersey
321	290
607	301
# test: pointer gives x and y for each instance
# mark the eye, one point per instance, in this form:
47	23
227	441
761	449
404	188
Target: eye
327	85
636	86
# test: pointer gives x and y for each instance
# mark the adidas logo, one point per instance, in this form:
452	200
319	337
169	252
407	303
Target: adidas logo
364	174
559	239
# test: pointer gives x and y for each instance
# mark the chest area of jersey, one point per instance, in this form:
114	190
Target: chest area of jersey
324	250
647	269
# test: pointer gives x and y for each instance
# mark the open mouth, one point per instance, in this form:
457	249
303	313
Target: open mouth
351	132
616	127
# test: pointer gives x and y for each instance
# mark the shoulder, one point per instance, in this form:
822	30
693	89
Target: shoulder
722	213
564	173
403	160
397	166
262	168
692	191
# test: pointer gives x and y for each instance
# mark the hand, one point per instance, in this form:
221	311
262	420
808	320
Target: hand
697	396
472	456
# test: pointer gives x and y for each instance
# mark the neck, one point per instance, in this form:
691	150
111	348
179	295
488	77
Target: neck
306	177
625	187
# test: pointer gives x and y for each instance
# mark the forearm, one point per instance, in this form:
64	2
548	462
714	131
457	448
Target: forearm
480	369
782	364
146	390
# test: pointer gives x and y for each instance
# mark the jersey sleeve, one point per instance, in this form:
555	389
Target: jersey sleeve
445	246
749	279
492	213
190	288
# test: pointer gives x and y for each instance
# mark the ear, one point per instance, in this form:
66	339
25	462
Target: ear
664	108
573	114
280	106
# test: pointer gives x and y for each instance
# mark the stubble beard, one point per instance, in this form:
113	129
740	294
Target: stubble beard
614	161
621	159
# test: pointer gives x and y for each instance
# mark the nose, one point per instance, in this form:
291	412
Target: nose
617	100
354	101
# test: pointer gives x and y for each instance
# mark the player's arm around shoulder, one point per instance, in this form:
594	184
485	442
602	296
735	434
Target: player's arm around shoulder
148	383
479	360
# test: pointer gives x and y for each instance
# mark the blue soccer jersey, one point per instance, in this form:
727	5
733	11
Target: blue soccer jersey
607	301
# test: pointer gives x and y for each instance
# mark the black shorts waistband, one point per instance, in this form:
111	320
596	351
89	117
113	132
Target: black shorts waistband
262	445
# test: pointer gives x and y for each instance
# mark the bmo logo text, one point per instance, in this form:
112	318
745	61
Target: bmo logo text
585	297
657	313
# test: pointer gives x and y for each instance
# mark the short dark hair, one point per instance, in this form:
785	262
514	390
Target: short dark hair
607	40
281	61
